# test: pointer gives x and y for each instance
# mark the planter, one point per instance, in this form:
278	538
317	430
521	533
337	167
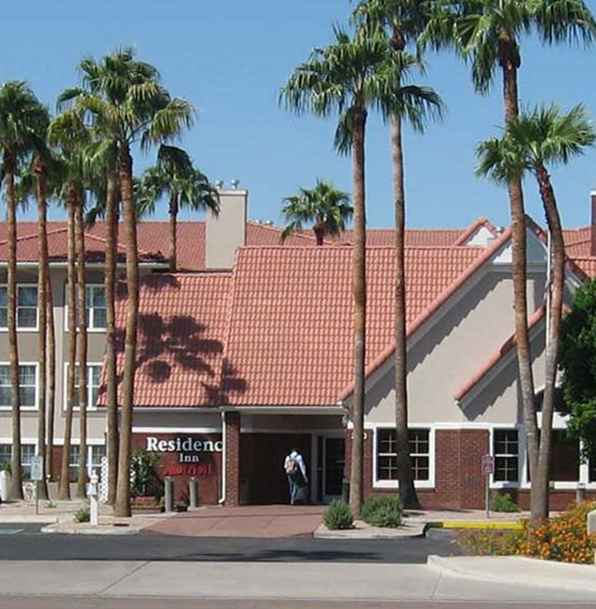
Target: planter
145	504
4	485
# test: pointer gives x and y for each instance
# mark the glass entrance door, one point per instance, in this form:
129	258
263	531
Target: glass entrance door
334	461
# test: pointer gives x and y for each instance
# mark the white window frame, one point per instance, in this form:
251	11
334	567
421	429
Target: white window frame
90	444
19	328
393	484
90	329
26	408
65	381
24	442
521	457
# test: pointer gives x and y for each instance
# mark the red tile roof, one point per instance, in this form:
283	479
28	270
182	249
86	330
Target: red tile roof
180	347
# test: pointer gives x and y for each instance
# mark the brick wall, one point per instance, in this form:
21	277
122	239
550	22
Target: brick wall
232	456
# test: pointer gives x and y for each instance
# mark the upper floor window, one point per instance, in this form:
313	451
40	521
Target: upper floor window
95	307
93	383
26	307
27	385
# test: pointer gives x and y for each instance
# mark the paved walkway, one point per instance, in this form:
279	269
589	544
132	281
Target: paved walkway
244	521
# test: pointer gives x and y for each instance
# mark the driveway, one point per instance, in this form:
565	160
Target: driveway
268	521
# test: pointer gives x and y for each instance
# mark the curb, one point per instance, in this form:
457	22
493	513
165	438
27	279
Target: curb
416	531
60	529
506	525
517	575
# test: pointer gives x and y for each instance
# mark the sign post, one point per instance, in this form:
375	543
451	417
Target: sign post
37	477
488	468
92	493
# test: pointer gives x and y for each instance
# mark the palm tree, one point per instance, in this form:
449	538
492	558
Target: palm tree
323	206
487	33
20	117
126	105
405	19
531	143
68	133
184	185
342	78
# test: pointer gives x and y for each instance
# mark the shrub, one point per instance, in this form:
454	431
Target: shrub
489	542
144	480
382	511
82	515
504	503
338	516
563	538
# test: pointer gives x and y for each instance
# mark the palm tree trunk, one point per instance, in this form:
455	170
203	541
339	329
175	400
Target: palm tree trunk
16	488
112	199
122	505
51	378
173	234
407	491
42	304
510	64
556	286
359	296
82	347
64	488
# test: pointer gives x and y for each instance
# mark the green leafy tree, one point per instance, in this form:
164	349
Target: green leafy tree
342	79
487	33
532	143
186	187
126	105
578	363
324	207
403	20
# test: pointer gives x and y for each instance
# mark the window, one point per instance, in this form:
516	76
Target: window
26	307
387	454
564	457
94	455
93	383
27	451
506	454
27	385
96	307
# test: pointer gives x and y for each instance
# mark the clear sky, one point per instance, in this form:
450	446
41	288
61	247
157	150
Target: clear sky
230	57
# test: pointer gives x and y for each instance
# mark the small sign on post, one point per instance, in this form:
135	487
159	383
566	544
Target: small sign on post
488	468
36	477
92	493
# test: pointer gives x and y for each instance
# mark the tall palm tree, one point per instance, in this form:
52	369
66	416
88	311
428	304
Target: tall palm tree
404	20
531	143
185	186
125	103
20	115
68	133
323	206
487	33
342	78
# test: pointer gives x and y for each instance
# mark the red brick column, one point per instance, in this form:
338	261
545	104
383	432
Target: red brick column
232	458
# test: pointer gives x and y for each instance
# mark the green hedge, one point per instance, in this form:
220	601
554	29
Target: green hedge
338	516
382	511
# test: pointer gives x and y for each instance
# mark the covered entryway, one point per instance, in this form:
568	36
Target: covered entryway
331	460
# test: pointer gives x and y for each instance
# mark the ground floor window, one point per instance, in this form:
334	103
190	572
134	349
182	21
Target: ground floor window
506	454
565	459
94	455
27	451
386	454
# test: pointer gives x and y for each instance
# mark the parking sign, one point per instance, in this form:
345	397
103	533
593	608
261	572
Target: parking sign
36	468
488	465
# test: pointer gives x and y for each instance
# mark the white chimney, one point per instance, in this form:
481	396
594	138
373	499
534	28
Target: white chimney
227	232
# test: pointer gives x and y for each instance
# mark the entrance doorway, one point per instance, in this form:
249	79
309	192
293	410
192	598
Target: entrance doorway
330	467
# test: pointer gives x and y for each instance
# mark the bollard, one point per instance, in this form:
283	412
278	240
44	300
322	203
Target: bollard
169	494
193	493
591	526
93	499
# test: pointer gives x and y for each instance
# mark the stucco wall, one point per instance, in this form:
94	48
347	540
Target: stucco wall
451	352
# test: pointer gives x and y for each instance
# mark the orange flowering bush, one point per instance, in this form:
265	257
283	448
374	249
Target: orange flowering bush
564	538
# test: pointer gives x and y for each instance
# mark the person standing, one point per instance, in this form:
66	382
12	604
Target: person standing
297	479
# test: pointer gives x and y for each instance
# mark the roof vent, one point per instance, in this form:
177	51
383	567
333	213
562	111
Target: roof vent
235	184
219	184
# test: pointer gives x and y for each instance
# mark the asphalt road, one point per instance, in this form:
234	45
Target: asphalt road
25	542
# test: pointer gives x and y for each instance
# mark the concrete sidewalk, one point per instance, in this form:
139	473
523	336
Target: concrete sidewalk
258	581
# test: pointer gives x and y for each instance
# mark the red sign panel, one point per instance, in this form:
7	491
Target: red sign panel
488	464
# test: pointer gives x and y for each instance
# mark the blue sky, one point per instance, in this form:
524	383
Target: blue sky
230	59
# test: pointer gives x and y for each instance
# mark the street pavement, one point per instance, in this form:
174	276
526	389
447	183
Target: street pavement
29	544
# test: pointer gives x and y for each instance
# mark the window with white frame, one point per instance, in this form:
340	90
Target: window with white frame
95	307
27	385
93	383
93	461
27	452
386	449
506	454
26	307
